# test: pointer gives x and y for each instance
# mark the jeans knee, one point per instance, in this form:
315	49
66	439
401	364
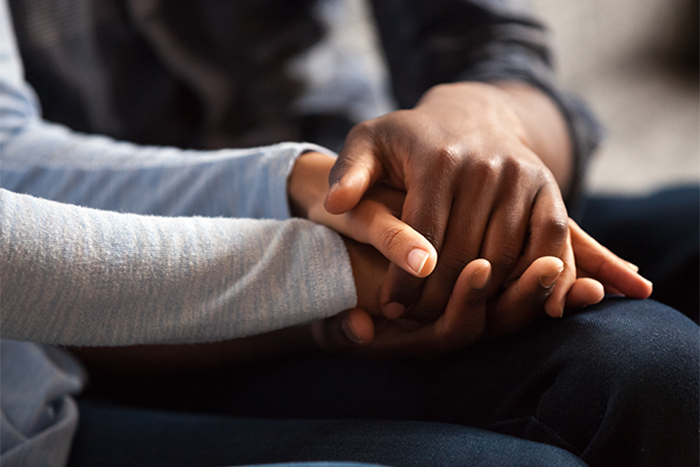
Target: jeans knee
627	377
641	355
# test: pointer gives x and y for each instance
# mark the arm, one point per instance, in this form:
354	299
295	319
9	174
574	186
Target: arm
447	41
76	275
483	160
464	320
53	162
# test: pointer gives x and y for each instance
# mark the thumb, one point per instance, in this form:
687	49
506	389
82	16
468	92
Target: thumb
356	169
348	330
373	223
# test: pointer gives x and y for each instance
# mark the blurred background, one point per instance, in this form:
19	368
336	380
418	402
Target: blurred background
634	61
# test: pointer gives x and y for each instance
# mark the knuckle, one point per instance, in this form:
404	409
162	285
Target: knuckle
426	221
448	157
392	238
432	233
488	169
556	227
362	129
448	271
504	261
513	169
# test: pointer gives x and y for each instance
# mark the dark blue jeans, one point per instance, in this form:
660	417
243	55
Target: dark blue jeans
616	384
659	233
112	436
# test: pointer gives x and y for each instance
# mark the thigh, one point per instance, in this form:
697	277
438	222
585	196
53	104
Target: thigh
617	382
115	436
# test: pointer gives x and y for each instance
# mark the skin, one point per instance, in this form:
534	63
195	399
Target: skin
483	167
471	310
364	330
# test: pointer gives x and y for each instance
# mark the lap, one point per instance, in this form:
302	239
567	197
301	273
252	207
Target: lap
626	369
116	436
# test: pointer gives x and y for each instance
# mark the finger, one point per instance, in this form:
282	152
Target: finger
373	223
467	223
504	237
524	299
607	289
428	216
464	320
555	304
548	229
585	292
348	330
462	324
603	265
357	168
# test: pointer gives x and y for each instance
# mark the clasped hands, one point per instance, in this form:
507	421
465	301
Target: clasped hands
455	175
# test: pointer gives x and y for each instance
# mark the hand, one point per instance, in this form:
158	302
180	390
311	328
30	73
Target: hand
374	220
597	262
468	315
463	322
590	270
474	188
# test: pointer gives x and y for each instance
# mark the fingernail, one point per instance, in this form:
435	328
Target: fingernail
562	304
632	266
347	329
334	187
417	259
393	310
548	280
480	279
557	312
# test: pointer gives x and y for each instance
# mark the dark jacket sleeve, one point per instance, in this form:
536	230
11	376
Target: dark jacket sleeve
441	41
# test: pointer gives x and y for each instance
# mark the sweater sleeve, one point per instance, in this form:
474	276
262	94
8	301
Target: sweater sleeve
96	248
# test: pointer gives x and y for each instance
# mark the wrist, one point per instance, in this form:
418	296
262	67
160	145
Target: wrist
369	271
307	184
545	126
477	108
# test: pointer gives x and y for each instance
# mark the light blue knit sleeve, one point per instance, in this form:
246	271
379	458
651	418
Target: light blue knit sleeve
53	162
109	243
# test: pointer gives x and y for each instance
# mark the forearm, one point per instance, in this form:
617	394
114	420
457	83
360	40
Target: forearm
52	162
80	276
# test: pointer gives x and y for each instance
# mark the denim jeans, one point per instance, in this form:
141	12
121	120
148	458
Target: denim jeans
616	384
115	436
